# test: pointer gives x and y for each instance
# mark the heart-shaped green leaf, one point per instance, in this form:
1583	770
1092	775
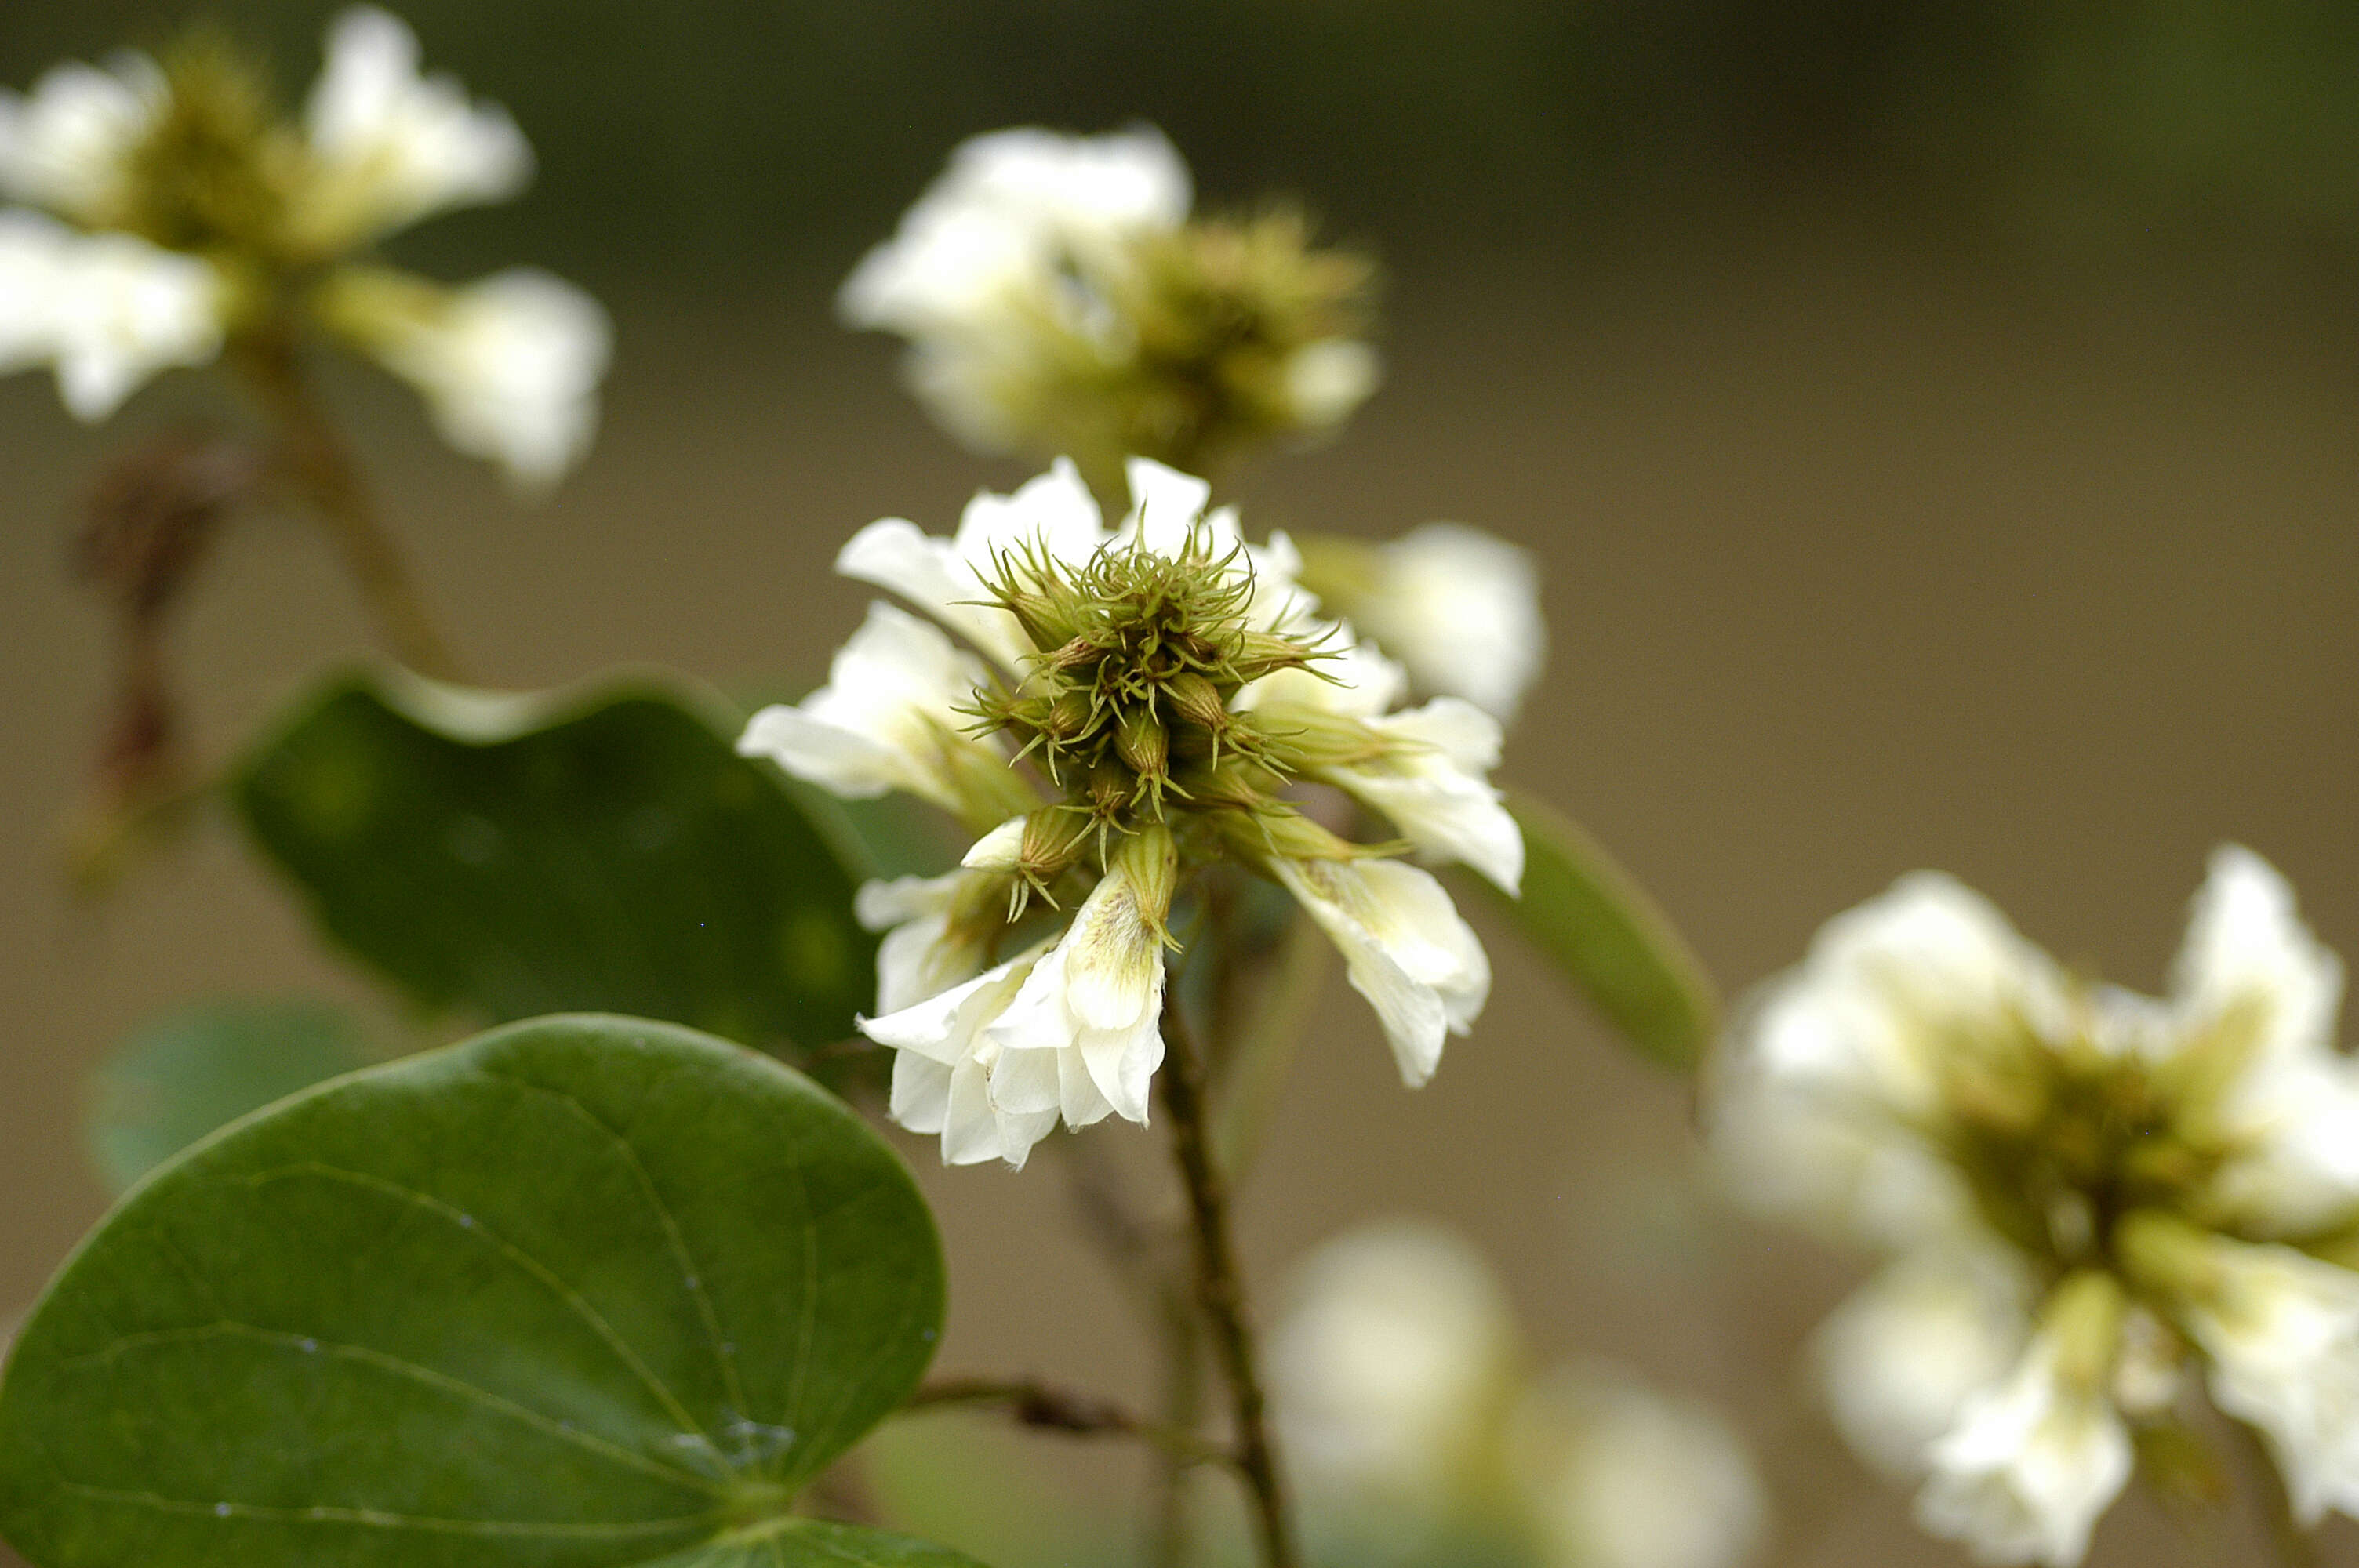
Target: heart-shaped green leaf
181	1077
1588	915
515	856
582	1291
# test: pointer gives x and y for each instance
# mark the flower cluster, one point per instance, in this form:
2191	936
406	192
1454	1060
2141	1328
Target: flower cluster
2088	1199
182	213
1130	705
1058	300
1417	1431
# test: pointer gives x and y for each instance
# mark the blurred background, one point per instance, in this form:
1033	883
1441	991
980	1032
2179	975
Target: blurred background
1938	423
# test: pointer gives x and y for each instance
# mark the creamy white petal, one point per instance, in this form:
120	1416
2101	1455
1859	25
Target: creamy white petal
509	367
1404	949
2248	953
388	146
946	577
1460	607
1892	988
1356	680
68	144
1013	208
109	310
917	958
922	1092
2030	1465
1901	1358
950	1033
887	719
2281	1329
1433	787
1098	995
1328	379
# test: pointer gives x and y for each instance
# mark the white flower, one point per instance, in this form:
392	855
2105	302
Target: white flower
995	231
947	1059
1389	1370
1616	1476
388	146
108	311
889	717
2282	1332
1460	607
1404	949
2035	1459
946	577
509	366
1902	1356
1095	1002
67	146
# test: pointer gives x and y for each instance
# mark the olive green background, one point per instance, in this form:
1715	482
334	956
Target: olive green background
1940	425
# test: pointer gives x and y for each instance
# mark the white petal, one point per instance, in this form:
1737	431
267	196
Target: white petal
389	146
121	310
509	367
68	145
970	1132
2282	1333
1405	949
1432	787
1461	608
922	1092
2248	952
1328	379
1164	506
1900	1358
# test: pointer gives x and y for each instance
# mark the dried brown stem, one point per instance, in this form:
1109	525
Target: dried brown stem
1046	1408
313	456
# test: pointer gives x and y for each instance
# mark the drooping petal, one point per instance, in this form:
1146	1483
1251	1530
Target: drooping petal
108	311
1431	781
952	1092
1404	949
1098	996
389	146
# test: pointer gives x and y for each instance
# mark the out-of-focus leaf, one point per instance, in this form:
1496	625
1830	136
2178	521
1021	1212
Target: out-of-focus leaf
182	1077
509	856
581	1293
1585	912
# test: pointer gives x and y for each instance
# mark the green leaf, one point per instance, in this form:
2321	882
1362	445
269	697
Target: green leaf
1585	912
582	1292
183	1075
515	856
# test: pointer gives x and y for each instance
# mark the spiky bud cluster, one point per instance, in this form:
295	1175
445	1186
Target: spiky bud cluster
1126	704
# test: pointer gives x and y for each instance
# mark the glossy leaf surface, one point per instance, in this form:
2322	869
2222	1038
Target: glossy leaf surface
583	1292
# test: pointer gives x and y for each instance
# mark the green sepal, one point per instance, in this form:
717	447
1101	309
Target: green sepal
582	1292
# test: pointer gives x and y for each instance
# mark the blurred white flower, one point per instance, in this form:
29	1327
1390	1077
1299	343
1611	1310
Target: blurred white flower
1617	1476
1389	1370
1056	298
1460	607
2035	1457
1012	211
389	146
67	146
1406	949
108	312
1932	1085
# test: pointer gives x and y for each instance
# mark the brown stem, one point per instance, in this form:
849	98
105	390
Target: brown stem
316	458
1219	1287
1033	1403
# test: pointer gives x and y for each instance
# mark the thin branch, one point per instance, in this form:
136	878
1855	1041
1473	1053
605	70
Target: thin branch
1220	1287
316	459
1045	1408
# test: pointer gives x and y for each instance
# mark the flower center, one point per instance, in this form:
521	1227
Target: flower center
210	174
